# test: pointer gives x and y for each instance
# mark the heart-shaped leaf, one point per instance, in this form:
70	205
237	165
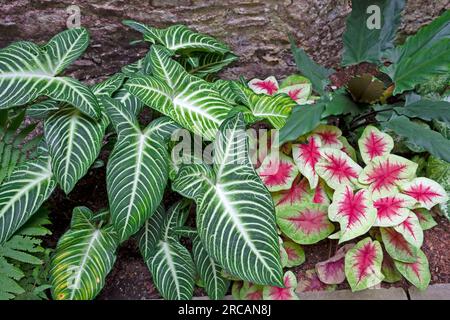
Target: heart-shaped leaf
306	157
411	230
304	223
363	264
251	291
329	136
332	271
373	143
396	245
295	254
426	220
392	209
285	293
310	282
277	171
425	191
353	210
337	169
417	272
298	192
267	86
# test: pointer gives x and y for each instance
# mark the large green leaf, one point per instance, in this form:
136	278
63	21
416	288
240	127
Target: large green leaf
84	256
431	140
207	63
317	74
276	108
190	101
178	38
28	71
209	271
23	193
137	170
169	262
235	212
391	20
360	42
302	120
423	55
74	140
427	110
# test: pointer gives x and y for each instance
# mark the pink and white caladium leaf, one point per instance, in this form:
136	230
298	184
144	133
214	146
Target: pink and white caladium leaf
373	144
332	271
389	270
348	149
267	86
392	209
385	174
251	291
283	254
306	156
304	223
396	245
417	272
298	92
329	136
295	254
286	293
353	210
310	282
363	264
427	192
298	193
336	168
277	171
425	217
411	230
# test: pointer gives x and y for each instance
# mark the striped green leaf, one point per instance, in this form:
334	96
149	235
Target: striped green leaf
207	63
169	262
276	108
28	71
190	101
84	256
23	193
235	212
178	38
209	271
137	169
74	140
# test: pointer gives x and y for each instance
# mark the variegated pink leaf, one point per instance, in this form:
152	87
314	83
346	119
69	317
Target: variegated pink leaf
417	272
374	143
310	282
268	86
298	92
283	253
286	293
396	245
425	217
337	169
329	135
392	209
427	192
251	291
353	210
411	230
295	254
304	223
332	271
389	270
363	264
306	157
384	174
298	192
277	171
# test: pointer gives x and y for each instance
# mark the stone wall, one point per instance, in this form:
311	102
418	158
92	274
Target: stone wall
256	30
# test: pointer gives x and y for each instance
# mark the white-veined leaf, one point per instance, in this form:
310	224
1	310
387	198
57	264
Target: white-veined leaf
84	256
28	71
190	101
22	194
235	213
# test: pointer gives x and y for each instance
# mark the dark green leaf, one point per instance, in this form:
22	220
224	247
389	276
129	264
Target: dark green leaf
427	110
340	104
310	69
392	15
431	140
302	120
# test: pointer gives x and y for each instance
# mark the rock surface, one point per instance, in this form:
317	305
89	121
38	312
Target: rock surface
255	29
